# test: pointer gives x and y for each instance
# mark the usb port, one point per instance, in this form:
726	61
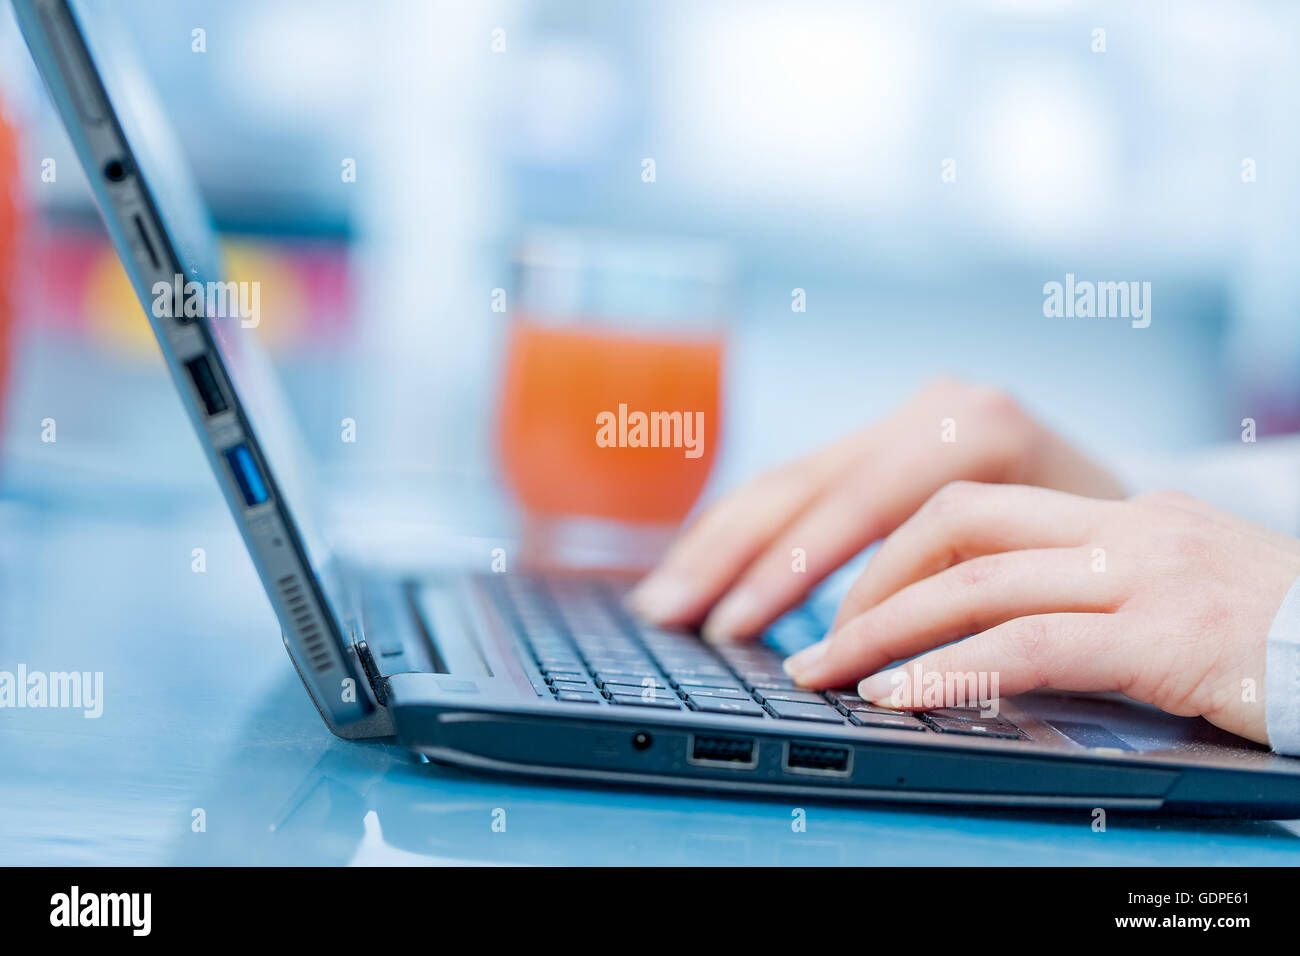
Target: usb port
249	479
738	753
817	758
205	383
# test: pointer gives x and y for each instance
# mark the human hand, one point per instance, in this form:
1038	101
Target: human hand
731	569
1162	598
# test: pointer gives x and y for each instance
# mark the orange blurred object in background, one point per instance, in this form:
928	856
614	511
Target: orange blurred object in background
8	250
559	379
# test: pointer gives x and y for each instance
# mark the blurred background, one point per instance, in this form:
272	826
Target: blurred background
806	141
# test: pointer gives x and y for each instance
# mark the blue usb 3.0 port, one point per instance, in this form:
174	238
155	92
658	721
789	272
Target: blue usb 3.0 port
242	466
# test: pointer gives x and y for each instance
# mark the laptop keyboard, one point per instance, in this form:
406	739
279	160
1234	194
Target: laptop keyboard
589	651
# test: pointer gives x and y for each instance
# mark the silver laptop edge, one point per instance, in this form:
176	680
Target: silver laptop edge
115	127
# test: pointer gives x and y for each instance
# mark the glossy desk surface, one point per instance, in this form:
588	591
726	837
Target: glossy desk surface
202	712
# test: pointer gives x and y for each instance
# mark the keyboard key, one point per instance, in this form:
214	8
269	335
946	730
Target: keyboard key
965	713
636	690
602	657
634	700
702	670
1002	731
571	676
689	665
724	705
873	709
618	677
623	675
729	693
675	657
562	685
623	668
613	653
845	697
620	688
769	682
793	710
574	697
695	679
794	696
894	721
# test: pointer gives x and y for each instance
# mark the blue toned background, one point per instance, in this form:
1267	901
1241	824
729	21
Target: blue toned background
808	140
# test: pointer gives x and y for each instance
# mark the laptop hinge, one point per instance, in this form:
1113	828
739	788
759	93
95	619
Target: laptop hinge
378	683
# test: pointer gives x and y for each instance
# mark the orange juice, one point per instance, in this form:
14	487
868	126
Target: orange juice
608	424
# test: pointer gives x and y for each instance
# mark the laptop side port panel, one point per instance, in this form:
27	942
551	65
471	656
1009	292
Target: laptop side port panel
722	750
823	760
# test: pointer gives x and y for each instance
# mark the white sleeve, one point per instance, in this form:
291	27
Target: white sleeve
1259	482
1282	676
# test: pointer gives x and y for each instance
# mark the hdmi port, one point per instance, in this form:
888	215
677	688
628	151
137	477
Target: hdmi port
738	753
818	758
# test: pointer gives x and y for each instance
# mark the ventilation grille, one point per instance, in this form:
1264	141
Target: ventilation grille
313	640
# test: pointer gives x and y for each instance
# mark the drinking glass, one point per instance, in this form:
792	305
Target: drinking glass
611	396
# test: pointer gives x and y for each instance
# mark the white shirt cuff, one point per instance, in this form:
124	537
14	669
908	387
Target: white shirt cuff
1255	481
1282	676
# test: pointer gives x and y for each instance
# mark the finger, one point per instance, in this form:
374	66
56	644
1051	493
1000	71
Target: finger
867	503
710	557
870	503
717	546
965	599
1066	651
964	520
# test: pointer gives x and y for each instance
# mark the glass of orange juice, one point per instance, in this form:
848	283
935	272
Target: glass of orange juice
610	403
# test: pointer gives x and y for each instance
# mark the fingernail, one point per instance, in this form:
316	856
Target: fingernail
796	665
659	597
732	616
887	687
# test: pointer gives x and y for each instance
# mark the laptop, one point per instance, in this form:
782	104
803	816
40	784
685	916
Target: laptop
545	674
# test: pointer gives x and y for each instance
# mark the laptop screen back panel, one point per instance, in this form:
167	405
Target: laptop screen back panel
163	235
